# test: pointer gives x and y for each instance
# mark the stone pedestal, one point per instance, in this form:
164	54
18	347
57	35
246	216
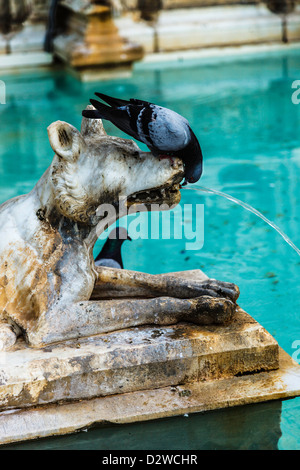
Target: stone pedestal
140	374
90	39
134	359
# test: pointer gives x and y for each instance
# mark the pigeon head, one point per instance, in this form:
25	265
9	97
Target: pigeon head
193	173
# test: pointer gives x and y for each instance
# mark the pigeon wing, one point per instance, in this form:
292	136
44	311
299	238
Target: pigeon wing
167	130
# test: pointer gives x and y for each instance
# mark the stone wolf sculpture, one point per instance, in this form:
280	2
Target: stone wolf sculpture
47	273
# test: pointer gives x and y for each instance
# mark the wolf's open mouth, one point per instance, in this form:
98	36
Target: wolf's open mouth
157	195
166	194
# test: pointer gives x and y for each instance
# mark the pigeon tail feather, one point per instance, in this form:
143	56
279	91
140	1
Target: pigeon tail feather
112	101
118	117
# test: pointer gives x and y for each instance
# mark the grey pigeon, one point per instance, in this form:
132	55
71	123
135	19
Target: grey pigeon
110	255
166	133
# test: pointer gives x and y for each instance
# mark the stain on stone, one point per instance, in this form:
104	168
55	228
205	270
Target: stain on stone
41	214
63	137
185	393
156	333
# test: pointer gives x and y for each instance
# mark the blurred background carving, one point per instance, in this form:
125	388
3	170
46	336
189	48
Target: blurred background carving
89	36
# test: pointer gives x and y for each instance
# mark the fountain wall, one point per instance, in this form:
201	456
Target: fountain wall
91	35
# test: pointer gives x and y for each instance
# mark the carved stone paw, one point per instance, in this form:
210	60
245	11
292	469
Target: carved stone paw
211	310
7	337
221	289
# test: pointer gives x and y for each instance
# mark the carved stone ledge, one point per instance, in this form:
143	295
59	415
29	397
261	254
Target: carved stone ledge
91	38
135	359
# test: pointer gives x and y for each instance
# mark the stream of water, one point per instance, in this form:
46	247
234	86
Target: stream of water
250	209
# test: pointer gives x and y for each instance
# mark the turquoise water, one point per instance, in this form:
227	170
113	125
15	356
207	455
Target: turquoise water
249	130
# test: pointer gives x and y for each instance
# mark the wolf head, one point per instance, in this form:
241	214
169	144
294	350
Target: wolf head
91	168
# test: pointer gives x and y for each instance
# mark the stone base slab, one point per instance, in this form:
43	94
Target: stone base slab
59	419
133	359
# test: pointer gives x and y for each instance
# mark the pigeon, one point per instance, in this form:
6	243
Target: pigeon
110	255
166	133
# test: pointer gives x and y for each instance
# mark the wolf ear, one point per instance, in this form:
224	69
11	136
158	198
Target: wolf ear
65	140
92	127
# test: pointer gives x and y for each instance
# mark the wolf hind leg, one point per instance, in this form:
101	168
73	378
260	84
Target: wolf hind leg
96	317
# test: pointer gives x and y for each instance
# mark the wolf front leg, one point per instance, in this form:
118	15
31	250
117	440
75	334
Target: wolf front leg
121	281
94	317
